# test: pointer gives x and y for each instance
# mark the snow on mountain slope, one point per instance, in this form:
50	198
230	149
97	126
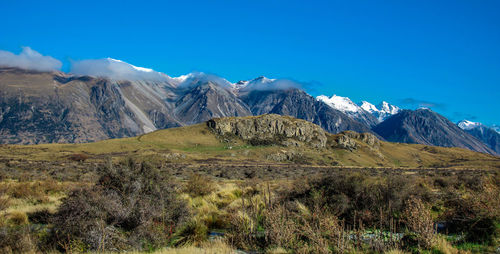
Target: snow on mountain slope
382	111
496	128
487	135
468	125
345	105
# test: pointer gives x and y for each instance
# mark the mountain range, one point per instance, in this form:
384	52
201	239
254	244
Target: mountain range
123	100
487	135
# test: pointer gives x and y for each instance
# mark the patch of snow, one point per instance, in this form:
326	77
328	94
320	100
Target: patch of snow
388	108
468	125
368	107
383	111
496	128
340	103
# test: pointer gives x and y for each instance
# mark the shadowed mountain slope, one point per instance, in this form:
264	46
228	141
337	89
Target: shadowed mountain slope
424	126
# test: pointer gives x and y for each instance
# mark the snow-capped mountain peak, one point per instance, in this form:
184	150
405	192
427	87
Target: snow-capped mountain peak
368	107
382	111
389	108
347	106
468	125
343	104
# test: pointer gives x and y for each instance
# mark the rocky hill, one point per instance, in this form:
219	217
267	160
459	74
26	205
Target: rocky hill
271	129
255	140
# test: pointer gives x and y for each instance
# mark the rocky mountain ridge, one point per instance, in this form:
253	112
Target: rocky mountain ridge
54	107
487	135
424	126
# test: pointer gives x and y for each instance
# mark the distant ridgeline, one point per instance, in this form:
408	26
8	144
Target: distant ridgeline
55	107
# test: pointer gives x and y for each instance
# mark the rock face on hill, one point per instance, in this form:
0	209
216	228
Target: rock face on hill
271	129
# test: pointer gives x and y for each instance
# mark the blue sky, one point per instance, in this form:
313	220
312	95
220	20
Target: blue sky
445	54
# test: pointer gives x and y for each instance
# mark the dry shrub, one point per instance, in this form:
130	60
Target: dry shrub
281	229
24	190
4	199
476	214
355	197
321	231
17	239
419	223
242	230
199	185
295	228
80	157
132	206
43	216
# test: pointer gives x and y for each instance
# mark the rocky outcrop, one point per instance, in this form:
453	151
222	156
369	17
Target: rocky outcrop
367	138
347	140
270	130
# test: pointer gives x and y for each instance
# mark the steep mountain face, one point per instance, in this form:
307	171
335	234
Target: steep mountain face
43	107
383	111
295	102
349	108
487	135
208	100
424	126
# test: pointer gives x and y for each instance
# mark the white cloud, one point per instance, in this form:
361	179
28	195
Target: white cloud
29	59
115	69
199	78
265	84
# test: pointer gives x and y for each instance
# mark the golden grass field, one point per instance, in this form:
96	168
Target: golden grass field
196	143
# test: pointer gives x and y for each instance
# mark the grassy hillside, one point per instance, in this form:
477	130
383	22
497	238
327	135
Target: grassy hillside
198	143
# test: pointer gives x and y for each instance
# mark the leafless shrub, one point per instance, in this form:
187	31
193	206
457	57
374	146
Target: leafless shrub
282	231
199	185
131	206
80	157
17	239
419	222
